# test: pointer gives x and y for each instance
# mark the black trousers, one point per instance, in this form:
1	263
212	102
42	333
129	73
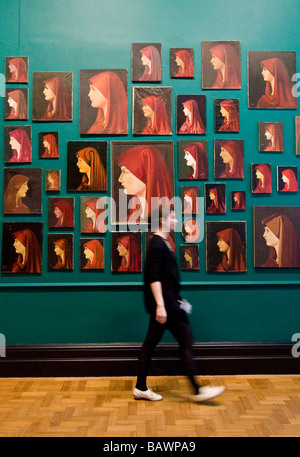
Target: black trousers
178	324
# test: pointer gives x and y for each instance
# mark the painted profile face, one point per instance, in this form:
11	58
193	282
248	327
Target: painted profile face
223	111
226	157
223	247
179	61
58	213
259	175
270	238
145	60
14	143
189	159
89	212
268	135
212	196
19	247
58	251
187	257
131	184
88	253
12	67
121	250
11	102
23	190
46	144
284	178
83	167
266	74
148	112
96	97
186	111
216	63
49	95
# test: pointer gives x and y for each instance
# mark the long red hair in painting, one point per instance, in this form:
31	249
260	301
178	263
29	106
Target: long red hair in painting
97	176
235	261
193	122
12	203
20	109
51	151
31	261
291	183
160	124
61	108
230	58
231	120
97	261
152	72
20	75
236	168
23	154
265	182
197	151
132	261
186	70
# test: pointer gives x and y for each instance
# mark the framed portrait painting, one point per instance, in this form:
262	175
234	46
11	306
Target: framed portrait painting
287	179
238	200
270	79
126	252
48	145
215	198
261	178
191	114
16	105
191	230
17	144
52	96
192	159
22	191
182	62
103	102
61	212
229	159
91	254
22	244
53	180
87	166
189	257
146	62
227	115
221	65
16	69
93	214
190	199
60	251
152	111
270	136
226	246
276	237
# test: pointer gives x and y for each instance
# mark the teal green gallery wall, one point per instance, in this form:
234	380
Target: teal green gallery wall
90	307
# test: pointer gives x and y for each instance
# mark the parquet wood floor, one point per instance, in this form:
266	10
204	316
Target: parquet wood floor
251	406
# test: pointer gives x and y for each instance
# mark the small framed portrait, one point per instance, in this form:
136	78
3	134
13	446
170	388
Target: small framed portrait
191	230
215	198
87	166
53	180
91	254
189	257
227	115
270	136
52	96
16	105
221	65
226	246
22	244
152	111
103	102
190	199
146	62
16	69
229	159
93	215
297	133
261	178
126	252
276	237
17	144
48	145
287	179
191	114
270	79
61	212
142	174
182	62
238	200
192	159
60	251
22	191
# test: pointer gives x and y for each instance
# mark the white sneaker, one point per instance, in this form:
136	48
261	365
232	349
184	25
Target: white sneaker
146	395
207	393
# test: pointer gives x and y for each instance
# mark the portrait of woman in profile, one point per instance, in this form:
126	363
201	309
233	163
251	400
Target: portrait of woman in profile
15	191
189	257
52	180
95	213
261	179
155	112
17	102
128	257
151	60
196	159
230	116
232	250
273	135
90	165
231	154
29	253
20	145
238	200
184	59
61	212
289	180
64	254
49	141
190	203
94	254
52	96
193	123
17	69
224	61
215	199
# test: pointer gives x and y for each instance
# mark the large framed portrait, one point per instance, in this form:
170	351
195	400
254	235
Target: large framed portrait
60	251
229	159
270	136
16	105
126	252
103	102
192	159
221	65
146	62
142	175
270	79
227	115
191	114
226	246
22	191
276	237
22	247
52	96
182	62
91	254
16	69
17	144
152	111
87	166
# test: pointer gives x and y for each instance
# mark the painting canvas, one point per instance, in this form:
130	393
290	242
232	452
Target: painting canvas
126	252
146	62
192	159
141	172
53	180
221	65
52	96
16	69
17	144
227	115
93	214
238	200
22	247
297	133
226	246
22	191
16	104
270	136
60	251
61	212
182	62
103	102
92	254
87	166
48	145
191	114
189	257
190	199
287	179
215	198
229	159
276	237
152	111
270	79
261	178
191	230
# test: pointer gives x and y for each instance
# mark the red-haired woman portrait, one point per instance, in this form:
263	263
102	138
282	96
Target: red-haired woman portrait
52	180
193	123
221	65
29	252
232	250
215	198
182	63
191	230
20	144
146	62
152	111
49	143
227	116
16	104
61	212
189	197
52	96
15	191
93	252
229	159
238	200
272	136
127	252
189	256
17	69
287	179
93	215
195	156
62	256
261	179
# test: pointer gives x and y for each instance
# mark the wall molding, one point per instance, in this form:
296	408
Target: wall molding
120	359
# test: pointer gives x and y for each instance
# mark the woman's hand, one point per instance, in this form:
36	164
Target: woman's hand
161	314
